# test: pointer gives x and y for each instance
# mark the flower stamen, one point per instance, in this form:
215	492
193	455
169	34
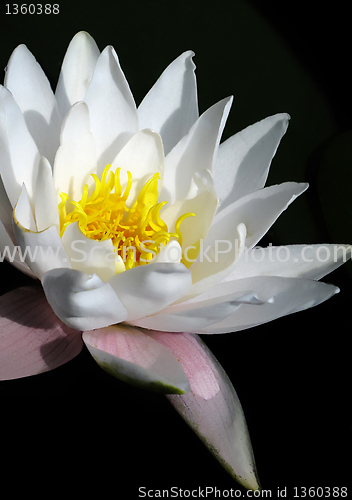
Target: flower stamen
137	233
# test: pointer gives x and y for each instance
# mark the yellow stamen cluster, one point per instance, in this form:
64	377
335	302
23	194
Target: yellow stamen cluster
136	232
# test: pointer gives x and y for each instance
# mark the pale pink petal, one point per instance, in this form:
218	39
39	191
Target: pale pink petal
130	355
212	408
32	339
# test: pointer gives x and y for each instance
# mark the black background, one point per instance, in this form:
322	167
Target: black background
293	375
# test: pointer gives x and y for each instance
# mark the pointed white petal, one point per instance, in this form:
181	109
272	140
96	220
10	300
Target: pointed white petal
10	253
42	250
215	262
77	71
261	299
196	314
6	211
258	211
194	228
171	106
32	92
76	157
280	297
111	106
45	202
243	161
296	261
236	229
82	301
195	152
130	355
22	214
19	156
143	156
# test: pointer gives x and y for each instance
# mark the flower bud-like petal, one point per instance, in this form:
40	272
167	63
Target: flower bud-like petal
212	408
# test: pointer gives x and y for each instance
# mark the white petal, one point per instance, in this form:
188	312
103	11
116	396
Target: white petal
6	211
144	290
82	301
171	106
112	109
171	252
236	229
10	252
261	299
136	358
258	211
77	71
143	156
88	255
32	92
76	157
194	228
19	156
280	297
195	314
22	214
243	161
46	208
42	250
296	261
195	152
215	263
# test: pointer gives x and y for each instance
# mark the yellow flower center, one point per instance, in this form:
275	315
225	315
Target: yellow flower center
137	233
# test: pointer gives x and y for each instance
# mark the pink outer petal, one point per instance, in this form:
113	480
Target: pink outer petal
32	339
130	355
212	409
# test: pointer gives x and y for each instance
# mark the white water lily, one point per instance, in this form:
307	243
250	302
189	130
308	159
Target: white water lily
141	226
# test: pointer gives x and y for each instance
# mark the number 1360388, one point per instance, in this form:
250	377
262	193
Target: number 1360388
320	492
32	8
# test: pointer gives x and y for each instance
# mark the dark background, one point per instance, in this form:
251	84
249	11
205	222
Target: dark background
293	375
